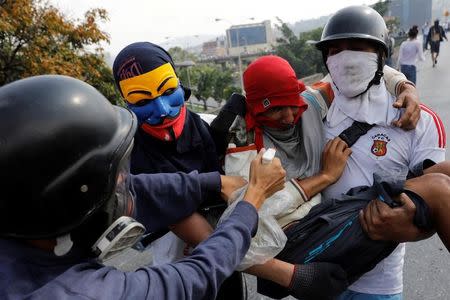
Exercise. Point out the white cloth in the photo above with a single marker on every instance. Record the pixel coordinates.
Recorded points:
(410, 51)
(352, 71)
(385, 149)
(372, 107)
(392, 79)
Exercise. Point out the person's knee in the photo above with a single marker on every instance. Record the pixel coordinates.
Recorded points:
(439, 182)
(435, 189)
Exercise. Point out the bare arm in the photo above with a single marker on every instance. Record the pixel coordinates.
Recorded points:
(407, 97)
(193, 229)
(382, 222)
(334, 159)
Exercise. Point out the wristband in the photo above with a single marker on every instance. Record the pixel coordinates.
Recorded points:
(293, 186)
(400, 85)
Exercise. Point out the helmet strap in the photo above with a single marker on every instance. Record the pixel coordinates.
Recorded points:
(378, 74)
(324, 58)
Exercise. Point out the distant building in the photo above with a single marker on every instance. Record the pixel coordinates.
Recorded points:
(417, 12)
(215, 48)
(250, 38)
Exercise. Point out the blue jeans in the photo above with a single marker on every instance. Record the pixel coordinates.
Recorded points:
(350, 295)
(425, 42)
(409, 71)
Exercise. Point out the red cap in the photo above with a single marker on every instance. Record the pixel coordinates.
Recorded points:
(270, 81)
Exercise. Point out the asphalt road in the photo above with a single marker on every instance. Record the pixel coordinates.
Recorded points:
(427, 263)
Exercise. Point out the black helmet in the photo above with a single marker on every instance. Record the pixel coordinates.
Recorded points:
(61, 143)
(355, 22)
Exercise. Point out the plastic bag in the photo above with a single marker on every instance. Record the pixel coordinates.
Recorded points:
(270, 238)
(278, 210)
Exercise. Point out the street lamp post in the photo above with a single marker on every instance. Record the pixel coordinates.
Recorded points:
(189, 83)
(188, 64)
(241, 81)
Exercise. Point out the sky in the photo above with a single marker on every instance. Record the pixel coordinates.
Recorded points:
(159, 21)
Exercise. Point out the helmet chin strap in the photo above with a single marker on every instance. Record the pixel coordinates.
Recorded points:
(378, 74)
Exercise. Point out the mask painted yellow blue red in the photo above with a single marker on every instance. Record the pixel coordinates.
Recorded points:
(147, 80)
(155, 95)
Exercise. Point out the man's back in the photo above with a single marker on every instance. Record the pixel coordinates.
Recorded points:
(435, 34)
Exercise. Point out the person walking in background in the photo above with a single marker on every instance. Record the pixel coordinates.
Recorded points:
(425, 35)
(410, 51)
(436, 35)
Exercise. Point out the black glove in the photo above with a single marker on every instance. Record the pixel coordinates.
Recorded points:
(318, 280)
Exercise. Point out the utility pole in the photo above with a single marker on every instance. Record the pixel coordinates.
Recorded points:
(241, 80)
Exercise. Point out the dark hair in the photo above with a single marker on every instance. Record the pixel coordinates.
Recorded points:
(436, 24)
(413, 31)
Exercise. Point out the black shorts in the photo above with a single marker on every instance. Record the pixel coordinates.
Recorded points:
(435, 46)
(331, 232)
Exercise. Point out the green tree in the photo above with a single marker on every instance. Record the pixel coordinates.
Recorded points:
(299, 51)
(182, 73)
(36, 38)
(204, 78)
(223, 86)
(382, 6)
(179, 55)
(229, 90)
(392, 23)
(209, 80)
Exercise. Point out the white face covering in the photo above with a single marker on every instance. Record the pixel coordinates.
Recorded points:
(352, 71)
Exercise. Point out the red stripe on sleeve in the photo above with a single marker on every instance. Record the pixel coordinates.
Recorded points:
(439, 125)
